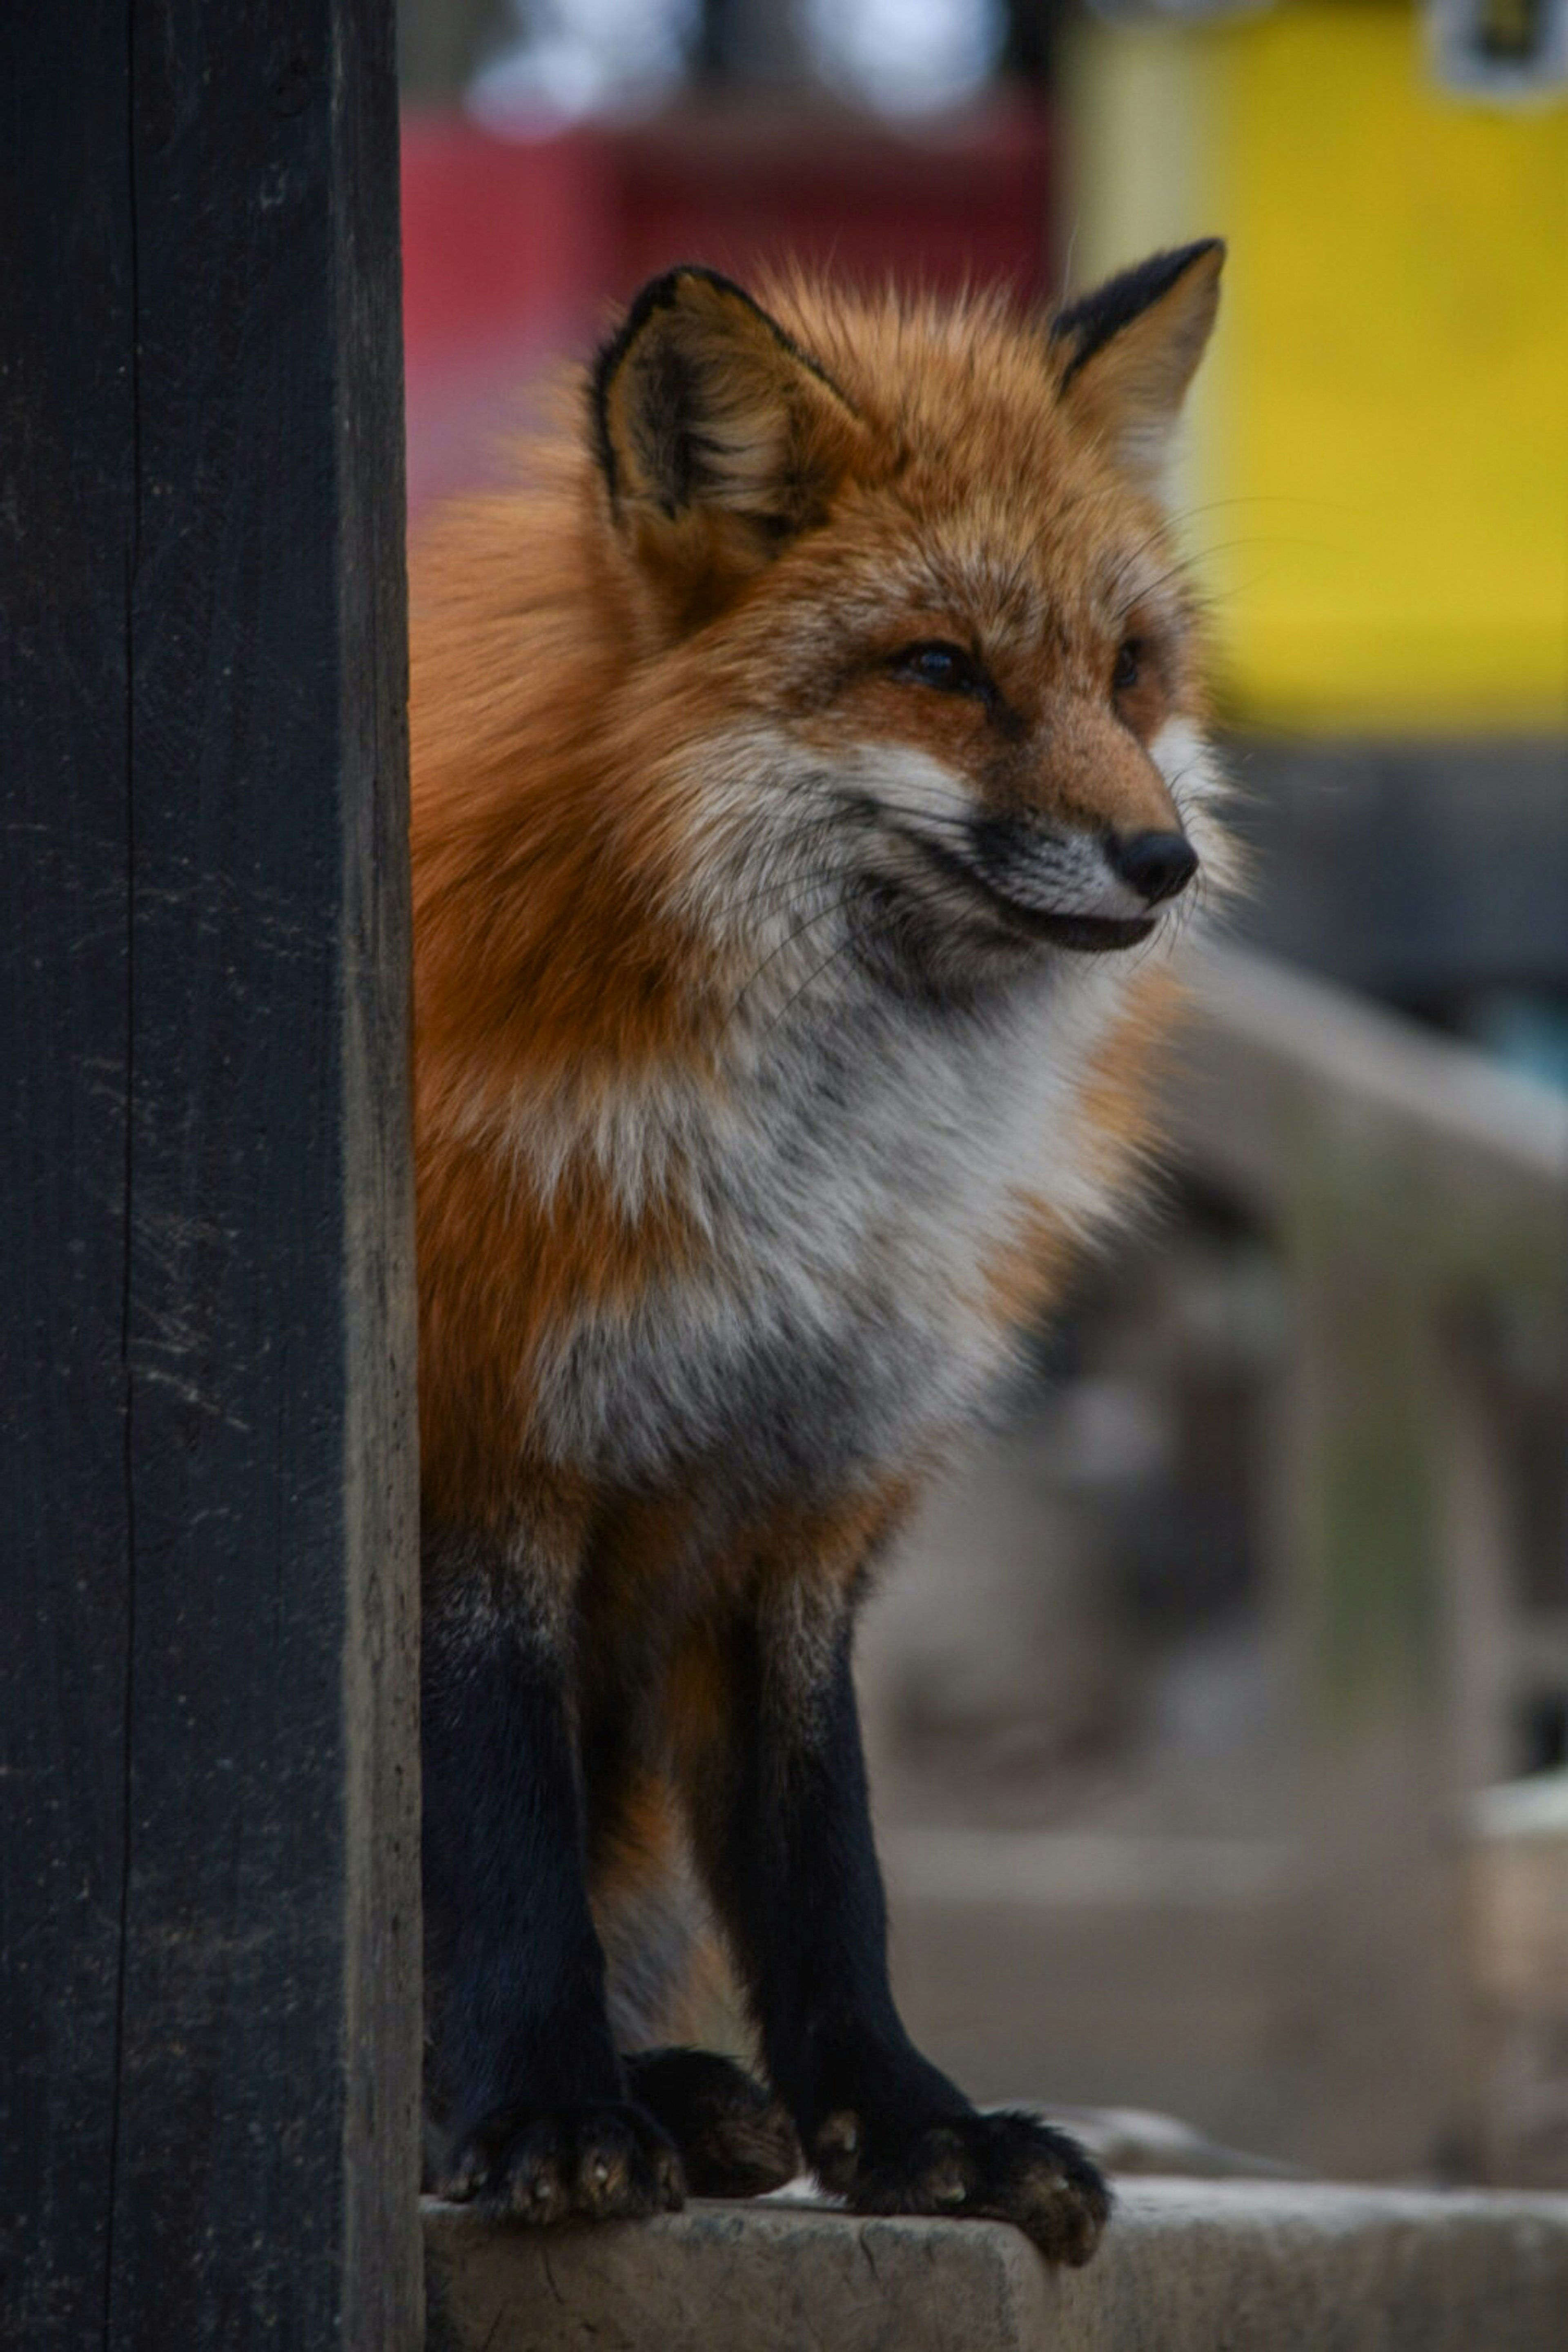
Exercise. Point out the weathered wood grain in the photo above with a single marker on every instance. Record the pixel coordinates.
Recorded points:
(210, 1845)
(67, 515)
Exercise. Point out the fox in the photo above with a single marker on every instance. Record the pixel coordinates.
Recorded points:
(811, 781)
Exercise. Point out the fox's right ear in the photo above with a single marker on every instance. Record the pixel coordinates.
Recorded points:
(1130, 349)
(717, 438)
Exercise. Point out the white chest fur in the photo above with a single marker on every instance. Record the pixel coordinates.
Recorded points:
(850, 1189)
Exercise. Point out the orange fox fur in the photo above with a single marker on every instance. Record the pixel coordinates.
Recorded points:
(806, 751)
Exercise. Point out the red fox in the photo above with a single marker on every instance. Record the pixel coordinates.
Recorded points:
(808, 764)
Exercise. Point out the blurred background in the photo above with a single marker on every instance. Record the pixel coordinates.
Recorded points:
(1220, 1717)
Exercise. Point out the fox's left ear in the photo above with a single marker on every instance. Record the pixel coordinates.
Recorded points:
(1130, 350)
(719, 438)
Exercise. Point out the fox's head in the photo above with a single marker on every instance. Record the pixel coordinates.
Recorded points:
(916, 652)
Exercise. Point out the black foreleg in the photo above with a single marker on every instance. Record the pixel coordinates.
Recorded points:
(784, 1828)
(525, 2075)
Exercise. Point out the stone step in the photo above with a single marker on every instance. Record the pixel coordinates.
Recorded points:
(1187, 2266)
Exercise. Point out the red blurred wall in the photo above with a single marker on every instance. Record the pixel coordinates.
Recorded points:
(515, 250)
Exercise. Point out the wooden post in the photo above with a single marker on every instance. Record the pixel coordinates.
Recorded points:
(208, 1774)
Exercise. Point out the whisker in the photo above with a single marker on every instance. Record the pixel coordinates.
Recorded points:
(917, 817)
(1155, 538)
(788, 890)
(835, 908)
(852, 940)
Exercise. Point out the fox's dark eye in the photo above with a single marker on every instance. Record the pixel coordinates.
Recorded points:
(946, 667)
(1129, 666)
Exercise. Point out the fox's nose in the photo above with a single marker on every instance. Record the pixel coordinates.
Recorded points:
(1156, 864)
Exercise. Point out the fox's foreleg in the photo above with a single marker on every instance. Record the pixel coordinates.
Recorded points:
(536, 2112)
(775, 1781)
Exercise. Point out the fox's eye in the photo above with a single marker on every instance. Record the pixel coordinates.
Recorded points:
(1129, 666)
(946, 667)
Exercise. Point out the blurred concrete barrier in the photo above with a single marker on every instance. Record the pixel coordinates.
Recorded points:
(1109, 1972)
(1418, 1197)
(1516, 1940)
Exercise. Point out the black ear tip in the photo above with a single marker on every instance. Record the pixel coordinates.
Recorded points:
(1174, 261)
(668, 289)
(660, 293)
(689, 297)
(1090, 322)
(664, 292)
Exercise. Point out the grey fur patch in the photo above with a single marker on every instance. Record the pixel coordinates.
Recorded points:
(649, 1946)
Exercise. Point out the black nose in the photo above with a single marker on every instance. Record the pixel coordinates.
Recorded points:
(1157, 864)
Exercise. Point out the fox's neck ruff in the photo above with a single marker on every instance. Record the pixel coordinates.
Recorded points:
(859, 1194)
(798, 1035)
(791, 1009)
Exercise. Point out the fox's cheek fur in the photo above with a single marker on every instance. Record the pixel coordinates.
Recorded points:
(1196, 783)
(785, 1002)
(802, 850)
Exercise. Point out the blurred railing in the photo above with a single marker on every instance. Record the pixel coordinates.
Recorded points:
(1418, 1199)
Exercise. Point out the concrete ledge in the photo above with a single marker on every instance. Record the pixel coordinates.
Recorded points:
(1187, 2266)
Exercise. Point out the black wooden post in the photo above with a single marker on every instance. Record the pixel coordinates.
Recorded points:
(208, 1782)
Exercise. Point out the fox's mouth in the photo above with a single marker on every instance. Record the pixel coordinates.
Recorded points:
(1084, 934)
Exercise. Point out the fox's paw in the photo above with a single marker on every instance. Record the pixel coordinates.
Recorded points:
(540, 2165)
(735, 2139)
(995, 2168)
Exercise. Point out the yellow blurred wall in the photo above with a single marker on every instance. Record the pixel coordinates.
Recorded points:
(1378, 477)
